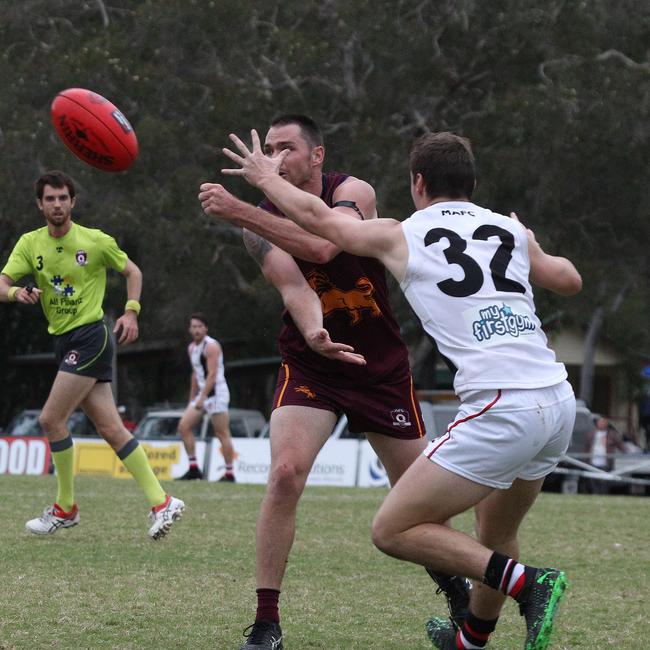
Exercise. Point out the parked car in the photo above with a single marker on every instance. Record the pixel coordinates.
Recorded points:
(162, 424)
(26, 424)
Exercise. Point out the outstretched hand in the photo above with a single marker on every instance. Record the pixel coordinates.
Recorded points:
(255, 165)
(321, 343)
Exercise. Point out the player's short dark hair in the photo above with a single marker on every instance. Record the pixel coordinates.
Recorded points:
(309, 130)
(197, 315)
(446, 163)
(56, 179)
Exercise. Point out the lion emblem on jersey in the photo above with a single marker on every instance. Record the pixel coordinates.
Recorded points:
(354, 301)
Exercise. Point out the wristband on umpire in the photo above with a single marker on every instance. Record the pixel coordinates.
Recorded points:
(133, 305)
(11, 294)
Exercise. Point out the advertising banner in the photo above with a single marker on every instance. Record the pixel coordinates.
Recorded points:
(94, 456)
(168, 458)
(371, 470)
(336, 464)
(24, 455)
(342, 463)
(252, 460)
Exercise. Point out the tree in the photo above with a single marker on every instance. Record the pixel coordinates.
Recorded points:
(555, 100)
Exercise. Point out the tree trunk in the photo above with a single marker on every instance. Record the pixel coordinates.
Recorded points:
(591, 339)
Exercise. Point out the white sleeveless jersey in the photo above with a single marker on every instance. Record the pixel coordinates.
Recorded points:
(200, 367)
(467, 280)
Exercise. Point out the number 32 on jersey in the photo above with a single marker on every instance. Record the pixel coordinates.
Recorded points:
(473, 280)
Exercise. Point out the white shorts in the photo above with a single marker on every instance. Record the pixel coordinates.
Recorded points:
(216, 404)
(501, 435)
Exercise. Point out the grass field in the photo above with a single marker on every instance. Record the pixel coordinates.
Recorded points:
(103, 584)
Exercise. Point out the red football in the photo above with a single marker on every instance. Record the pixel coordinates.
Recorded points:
(94, 129)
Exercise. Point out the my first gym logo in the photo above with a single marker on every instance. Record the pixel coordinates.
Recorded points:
(495, 321)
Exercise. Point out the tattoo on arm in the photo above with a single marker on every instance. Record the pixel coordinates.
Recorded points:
(256, 246)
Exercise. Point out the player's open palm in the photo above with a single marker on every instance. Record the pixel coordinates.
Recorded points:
(321, 343)
(255, 164)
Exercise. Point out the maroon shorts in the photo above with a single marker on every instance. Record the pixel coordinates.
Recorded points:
(389, 408)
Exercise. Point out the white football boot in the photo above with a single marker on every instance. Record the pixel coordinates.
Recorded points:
(162, 517)
(52, 519)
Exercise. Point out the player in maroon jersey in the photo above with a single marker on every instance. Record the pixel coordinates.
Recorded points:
(326, 292)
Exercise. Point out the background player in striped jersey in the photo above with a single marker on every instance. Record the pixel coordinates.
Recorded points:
(466, 272)
(208, 394)
(325, 290)
(68, 263)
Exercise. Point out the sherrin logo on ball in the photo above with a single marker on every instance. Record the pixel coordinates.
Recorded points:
(94, 129)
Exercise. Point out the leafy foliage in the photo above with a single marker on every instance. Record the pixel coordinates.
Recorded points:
(556, 101)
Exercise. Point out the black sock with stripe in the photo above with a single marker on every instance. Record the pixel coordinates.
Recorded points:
(475, 632)
(509, 576)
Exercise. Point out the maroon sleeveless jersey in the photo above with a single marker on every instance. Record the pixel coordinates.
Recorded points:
(356, 311)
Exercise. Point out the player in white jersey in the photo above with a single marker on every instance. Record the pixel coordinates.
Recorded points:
(208, 394)
(466, 272)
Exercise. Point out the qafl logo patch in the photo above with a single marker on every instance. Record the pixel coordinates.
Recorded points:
(401, 418)
(72, 358)
(82, 258)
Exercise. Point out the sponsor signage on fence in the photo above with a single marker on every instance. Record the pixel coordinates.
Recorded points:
(168, 459)
(342, 463)
(252, 460)
(24, 455)
(372, 473)
(336, 464)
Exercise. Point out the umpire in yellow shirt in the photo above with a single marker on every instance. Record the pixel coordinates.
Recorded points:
(68, 263)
